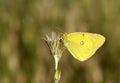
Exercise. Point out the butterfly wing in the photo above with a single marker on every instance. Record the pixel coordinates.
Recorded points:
(97, 39)
(82, 45)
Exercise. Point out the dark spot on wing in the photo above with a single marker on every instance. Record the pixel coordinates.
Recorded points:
(83, 34)
(81, 42)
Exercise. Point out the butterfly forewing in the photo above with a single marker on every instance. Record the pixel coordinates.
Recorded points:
(79, 45)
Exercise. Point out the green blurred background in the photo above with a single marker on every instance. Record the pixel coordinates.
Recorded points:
(25, 57)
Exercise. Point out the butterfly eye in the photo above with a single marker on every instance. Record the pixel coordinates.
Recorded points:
(81, 42)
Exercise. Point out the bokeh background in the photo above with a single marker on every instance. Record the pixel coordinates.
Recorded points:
(25, 57)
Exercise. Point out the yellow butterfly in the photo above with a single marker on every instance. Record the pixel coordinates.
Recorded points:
(82, 45)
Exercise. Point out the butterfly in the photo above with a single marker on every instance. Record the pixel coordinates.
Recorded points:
(82, 45)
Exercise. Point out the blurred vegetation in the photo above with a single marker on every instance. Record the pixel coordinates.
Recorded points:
(25, 57)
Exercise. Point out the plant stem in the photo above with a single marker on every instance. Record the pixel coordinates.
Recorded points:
(56, 48)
